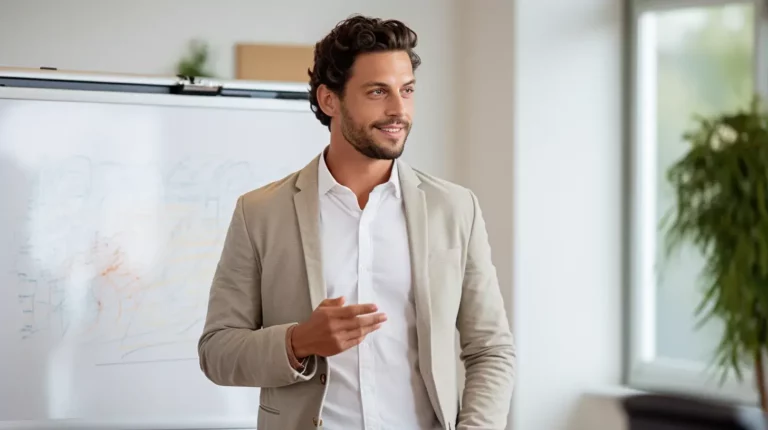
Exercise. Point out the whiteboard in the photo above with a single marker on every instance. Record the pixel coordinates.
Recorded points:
(113, 210)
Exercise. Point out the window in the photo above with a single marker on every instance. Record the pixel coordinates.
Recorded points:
(689, 57)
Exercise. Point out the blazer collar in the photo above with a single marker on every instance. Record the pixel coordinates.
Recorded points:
(307, 178)
(308, 216)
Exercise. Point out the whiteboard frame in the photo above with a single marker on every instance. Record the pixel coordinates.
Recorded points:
(116, 78)
(48, 94)
(116, 88)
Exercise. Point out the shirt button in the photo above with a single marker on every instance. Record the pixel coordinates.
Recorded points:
(322, 379)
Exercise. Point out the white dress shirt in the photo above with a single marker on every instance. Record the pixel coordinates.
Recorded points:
(376, 385)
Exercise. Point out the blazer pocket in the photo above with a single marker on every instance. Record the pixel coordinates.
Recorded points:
(270, 410)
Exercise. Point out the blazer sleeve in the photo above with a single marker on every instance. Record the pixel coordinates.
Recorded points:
(234, 349)
(487, 346)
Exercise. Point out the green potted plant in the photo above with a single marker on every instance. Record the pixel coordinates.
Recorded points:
(195, 63)
(721, 187)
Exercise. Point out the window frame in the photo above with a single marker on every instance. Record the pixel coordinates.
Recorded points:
(643, 369)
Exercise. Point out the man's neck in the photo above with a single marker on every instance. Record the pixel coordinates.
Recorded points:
(356, 171)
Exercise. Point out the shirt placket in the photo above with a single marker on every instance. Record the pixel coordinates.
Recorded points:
(365, 294)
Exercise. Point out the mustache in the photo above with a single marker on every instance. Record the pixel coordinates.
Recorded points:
(391, 122)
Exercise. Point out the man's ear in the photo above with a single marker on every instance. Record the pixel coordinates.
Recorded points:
(328, 101)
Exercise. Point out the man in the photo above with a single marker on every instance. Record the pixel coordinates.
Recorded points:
(340, 287)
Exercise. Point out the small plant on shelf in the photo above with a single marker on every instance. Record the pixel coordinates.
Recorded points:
(195, 63)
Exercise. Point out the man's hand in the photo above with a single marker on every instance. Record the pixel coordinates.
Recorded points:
(333, 328)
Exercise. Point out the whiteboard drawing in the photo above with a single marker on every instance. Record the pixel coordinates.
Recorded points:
(119, 256)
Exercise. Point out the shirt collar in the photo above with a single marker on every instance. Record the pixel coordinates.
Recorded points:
(394, 179)
(326, 182)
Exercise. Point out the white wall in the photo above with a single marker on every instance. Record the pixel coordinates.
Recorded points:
(485, 126)
(540, 142)
(149, 36)
(567, 208)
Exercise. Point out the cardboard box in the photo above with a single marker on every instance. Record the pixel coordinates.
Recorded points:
(282, 63)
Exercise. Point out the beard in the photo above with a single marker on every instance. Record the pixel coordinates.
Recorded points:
(362, 138)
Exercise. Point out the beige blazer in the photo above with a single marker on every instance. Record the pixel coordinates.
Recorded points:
(270, 277)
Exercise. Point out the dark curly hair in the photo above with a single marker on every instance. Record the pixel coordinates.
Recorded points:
(336, 53)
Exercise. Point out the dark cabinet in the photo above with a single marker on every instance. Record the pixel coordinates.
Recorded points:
(672, 412)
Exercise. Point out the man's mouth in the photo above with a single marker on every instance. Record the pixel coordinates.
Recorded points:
(393, 130)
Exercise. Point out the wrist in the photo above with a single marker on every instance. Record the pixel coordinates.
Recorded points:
(296, 343)
(292, 360)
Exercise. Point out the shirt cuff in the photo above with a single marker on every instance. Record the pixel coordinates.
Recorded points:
(299, 366)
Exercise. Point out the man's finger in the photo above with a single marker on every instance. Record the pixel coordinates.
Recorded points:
(363, 321)
(358, 334)
(349, 343)
(334, 302)
(355, 310)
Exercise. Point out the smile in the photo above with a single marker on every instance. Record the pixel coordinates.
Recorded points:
(391, 130)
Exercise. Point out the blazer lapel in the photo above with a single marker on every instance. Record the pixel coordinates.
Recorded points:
(308, 215)
(415, 206)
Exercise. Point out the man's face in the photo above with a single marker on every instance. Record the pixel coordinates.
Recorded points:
(377, 106)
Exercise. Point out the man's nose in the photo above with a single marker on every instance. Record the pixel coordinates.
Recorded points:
(395, 105)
